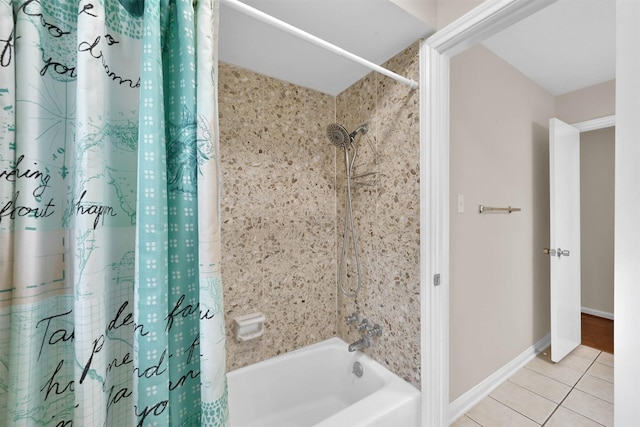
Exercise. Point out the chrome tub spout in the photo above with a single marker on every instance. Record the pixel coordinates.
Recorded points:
(365, 342)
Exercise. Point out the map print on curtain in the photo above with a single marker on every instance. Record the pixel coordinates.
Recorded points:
(110, 292)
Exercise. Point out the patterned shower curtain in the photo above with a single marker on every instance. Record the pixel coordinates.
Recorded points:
(110, 292)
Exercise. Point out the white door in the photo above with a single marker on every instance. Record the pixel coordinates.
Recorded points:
(564, 186)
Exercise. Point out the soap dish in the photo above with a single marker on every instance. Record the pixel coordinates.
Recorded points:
(249, 326)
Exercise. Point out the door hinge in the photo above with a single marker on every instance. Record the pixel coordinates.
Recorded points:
(436, 279)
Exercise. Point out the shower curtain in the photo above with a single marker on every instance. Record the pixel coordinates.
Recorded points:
(110, 292)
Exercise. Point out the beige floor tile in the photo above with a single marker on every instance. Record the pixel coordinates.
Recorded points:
(541, 384)
(580, 351)
(564, 417)
(605, 358)
(465, 422)
(577, 362)
(589, 406)
(524, 401)
(586, 352)
(530, 397)
(602, 371)
(491, 413)
(580, 358)
(555, 371)
(596, 387)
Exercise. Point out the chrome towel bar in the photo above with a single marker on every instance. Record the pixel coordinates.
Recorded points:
(509, 209)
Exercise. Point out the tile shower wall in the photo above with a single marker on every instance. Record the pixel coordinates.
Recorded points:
(386, 200)
(283, 209)
(278, 212)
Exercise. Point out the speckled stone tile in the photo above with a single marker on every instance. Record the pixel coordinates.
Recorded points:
(283, 205)
(387, 213)
(278, 212)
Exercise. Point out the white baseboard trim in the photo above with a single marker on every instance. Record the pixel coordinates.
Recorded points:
(461, 405)
(598, 313)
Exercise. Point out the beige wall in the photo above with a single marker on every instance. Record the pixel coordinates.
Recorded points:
(586, 104)
(386, 208)
(597, 170)
(283, 208)
(499, 157)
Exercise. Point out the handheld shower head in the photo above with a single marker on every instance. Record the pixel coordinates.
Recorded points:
(338, 135)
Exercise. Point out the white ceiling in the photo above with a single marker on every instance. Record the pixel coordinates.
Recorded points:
(568, 45)
(375, 30)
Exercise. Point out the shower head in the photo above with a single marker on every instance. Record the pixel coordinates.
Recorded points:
(339, 136)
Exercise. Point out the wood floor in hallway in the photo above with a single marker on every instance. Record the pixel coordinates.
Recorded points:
(597, 332)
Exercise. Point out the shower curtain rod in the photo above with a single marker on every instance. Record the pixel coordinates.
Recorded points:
(270, 20)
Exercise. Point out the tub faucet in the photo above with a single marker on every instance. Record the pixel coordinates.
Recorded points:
(368, 331)
(365, 342)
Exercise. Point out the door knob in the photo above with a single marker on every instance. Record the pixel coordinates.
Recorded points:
(559, 253)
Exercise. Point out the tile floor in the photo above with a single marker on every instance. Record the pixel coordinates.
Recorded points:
(576, 392)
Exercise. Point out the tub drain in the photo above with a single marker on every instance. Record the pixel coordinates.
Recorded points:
(357, 369)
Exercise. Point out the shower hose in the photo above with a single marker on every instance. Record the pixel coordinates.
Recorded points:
(349, 225)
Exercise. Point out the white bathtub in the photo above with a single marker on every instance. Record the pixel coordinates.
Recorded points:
(315, 386)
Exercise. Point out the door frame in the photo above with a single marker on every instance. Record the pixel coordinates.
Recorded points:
(595, 124)
(587, 126)
(490, 17)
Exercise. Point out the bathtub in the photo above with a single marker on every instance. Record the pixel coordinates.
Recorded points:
(316, 386)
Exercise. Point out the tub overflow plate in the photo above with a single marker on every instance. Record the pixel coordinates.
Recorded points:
(357, 369)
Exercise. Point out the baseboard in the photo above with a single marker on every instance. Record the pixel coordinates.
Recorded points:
(597, 313)
(461, 405)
